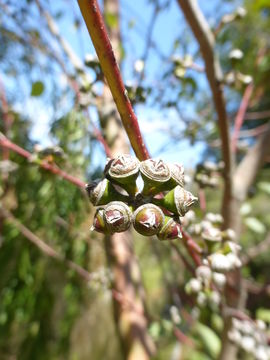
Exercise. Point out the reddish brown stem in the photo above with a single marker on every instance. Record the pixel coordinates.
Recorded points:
(97, 30)
(182, 338)
(182, 257)
(193, 248)
(6, 117)
(5, 143)
(254, 132)
(241, 115)
(202, 200)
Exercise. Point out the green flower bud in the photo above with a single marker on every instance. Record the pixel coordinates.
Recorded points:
(170, 230)
(148, 219)
(215, 219)
(117, 216)
(103, 193)
(178, 201)
(177, 174)
(99, 224)
(212, 237)
(194, 286)
(155, 174)
(124, 170)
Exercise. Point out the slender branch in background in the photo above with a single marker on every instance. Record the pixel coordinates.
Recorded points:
(193, 248)
(239, 119)
(183, 259)
(8, 119)
(45, 248)
(248, 168)
(149, 40)
(255, 115)
(76, 61)
(206, 40)
(77, 64)
(256, 250)
(96, 28)
(182, 338)
(202, 200)
(7, 144)
(253, 132)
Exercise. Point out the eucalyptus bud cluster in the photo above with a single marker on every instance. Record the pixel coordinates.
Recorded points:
(206, 286)
(251, 337)
(154, 210)
(237, 79)
(206, 174)
(220, 249)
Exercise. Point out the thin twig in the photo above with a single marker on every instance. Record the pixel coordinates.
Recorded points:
(6, 143)
(254, 132)
(248, 168)
(8, 119)
(43, 246)
(202, 200)
(183, 259)
(256, 250)
(77, 64)
(255, 115)
(76, 61)
(192, 247)
(239, 119)
(206, 40)
(96, 28)
(149, 40)
(182, 338)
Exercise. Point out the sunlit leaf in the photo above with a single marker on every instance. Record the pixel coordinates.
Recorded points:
(37, 88)
(264, 186)
(209, 339)
(255, 225)
(263, 314)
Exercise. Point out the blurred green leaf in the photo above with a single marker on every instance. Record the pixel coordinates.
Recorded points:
(209, 339)
(255, 225)
(111, 19)
(264, 186)
(263, 314)
(245, 209)
(37, 88)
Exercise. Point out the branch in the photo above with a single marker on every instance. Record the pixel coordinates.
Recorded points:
(96, 28)
(257, 250)
(193, 248)
(253, 132)
(183, 259)
(241, 115)
(149, 40)
(43, 247)
(77, 64)
(6, 143)
(255, 115)
(76, 61)
(248, 168)
(8, 119)
(206, 40)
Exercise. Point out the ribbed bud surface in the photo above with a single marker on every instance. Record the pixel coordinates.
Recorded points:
(148, 219)
(170, 230)
(117, 216)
